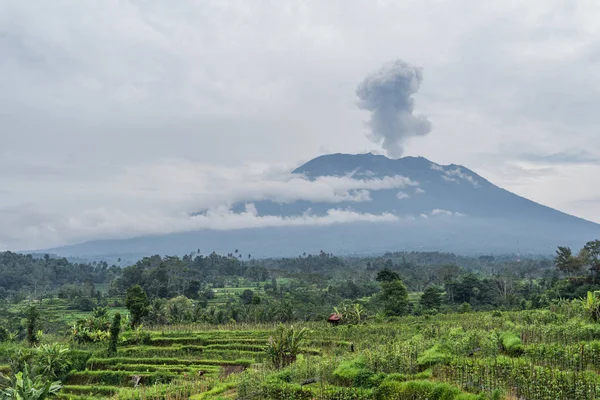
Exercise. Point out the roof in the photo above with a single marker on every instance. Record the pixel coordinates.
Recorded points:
(334, 317)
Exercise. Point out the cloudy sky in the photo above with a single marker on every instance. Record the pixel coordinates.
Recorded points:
(120, 117)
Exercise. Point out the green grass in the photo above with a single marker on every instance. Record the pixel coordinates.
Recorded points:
(118, 378)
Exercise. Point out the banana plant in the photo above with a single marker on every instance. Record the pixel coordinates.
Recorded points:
(591, 305)
(24, 388)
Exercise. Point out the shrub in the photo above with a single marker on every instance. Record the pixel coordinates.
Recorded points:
(422, 390)
(433, 356)
(53, 360)
(284, 346)
(511, 344)
(465, 308)
(347, 371)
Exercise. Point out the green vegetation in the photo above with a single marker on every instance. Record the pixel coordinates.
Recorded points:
(407, 325)
(137, 303)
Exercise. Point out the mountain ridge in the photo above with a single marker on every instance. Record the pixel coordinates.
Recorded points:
(449, 208)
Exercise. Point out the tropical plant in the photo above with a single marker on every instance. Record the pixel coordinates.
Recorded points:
(591, 305)
(566, 262)
(25, 388)
(283, 347)
(53, 360)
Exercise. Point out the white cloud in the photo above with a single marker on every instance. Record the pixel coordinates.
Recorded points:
(449, 179)
(454, 174)
(402, 195)
(160, 197)
(440, 212)
(115, 223)
(457, 172)
(419, 191)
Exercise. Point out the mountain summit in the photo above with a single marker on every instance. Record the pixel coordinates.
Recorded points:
(442, 188)
(409, 203)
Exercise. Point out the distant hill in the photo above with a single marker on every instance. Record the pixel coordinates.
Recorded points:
(447, 208)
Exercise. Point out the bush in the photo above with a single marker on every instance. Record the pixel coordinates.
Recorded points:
(511, 344)
(79, 359)
(83, 304)
(433, 356)
(422, 390)
(465, 308)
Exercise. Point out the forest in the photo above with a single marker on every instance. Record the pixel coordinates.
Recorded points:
(317, 326)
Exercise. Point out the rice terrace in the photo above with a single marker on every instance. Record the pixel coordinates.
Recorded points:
(252, 330)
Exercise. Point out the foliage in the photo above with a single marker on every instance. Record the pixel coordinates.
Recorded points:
(433, 356)
(431, 299)
(511, 344)
(283, 347)
(53, 360)
(395, 297)
(566, 262)
(137, 303)
(387, 275)
(115, 330)
(32, 314)
(422, 390)
(591, 305)
(356, 373)
(25, 388)
(351, 313)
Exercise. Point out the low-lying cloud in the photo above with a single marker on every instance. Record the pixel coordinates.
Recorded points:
(442, 213)
(455, 175)
(174, 196)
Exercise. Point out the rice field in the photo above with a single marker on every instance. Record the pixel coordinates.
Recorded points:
(180, 362)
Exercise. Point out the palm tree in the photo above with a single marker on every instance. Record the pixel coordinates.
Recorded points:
(566, 262)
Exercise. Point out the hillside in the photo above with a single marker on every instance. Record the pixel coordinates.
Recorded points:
(443, 208)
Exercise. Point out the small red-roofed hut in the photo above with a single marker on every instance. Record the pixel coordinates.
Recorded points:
(334, 319)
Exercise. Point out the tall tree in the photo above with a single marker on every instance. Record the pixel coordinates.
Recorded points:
(431, 299)
(115, 330)
(566, 262)
(590, 255)
(137, 303)
(395, 297)
(387, 275)
(33, 315)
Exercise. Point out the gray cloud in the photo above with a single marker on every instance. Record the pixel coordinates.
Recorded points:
(563, 157)
(388, 95)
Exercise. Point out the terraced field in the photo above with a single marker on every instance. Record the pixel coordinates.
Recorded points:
(61, 309)
(185, 360)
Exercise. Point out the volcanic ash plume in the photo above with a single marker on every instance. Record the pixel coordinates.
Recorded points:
(387, 95)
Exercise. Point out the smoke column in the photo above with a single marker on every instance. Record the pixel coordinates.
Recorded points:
(387, 95)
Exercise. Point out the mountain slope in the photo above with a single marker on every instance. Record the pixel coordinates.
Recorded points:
(443, 207)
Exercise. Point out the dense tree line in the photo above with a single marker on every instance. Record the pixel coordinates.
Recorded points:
(38, 274)
(306, 287)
